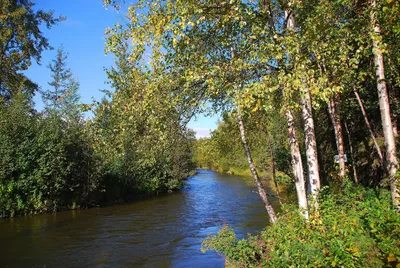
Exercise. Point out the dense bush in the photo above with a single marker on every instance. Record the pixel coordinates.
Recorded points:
(45, 164)
(48, 163)
(354, 228)
(17, 158)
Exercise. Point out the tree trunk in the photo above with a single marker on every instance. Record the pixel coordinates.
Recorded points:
(360, 103)
(271, 150)
(352, 154)
(311, 143)
(297, 165)
(261, 191)
(384, 106)
(395, 100)
(335, 118)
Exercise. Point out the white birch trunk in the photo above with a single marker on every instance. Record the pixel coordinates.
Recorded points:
(311, 143)
(260, 188)
(391, 160)
(313, 181)
(297, 165)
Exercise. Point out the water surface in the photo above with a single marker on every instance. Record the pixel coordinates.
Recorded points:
(164, 231)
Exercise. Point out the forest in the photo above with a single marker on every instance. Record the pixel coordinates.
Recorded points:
(309, 95)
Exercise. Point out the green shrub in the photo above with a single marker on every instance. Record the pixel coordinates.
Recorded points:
(45, 165)
(353, 228)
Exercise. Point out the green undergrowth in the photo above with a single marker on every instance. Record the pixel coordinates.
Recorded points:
(353, 228)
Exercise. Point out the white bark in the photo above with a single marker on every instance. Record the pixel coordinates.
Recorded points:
(297, 165)
(391, 160)
(260, 188)
(312, 162)
(311, 143)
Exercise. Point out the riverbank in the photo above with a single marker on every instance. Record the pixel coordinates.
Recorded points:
(117, 197)
(164, 231)
(284, 182)
(355, 227)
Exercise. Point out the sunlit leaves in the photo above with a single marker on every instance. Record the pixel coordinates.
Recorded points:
(21, 41)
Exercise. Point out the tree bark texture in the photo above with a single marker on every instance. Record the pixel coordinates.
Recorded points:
(297, 165)
(391, 160)
(394, 101)
(311, 143)
(260, 188)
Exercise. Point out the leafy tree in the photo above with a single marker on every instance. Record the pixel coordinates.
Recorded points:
(17, 150)
(21, 41)
(139, 134)
(384, 105)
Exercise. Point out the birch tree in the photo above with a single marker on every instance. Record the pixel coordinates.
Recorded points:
(391, 158)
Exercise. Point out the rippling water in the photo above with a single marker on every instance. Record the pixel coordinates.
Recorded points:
(164, 231)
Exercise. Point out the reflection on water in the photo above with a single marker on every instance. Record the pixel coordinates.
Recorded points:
(164, 231)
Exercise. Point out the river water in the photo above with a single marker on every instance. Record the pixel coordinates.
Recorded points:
(164, 231)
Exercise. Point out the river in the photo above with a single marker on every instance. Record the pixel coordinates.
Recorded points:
(164, 231)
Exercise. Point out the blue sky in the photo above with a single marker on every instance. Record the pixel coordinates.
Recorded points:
(82, 36)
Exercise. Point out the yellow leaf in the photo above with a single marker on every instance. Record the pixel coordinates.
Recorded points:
(391, 258)
(353, 250)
